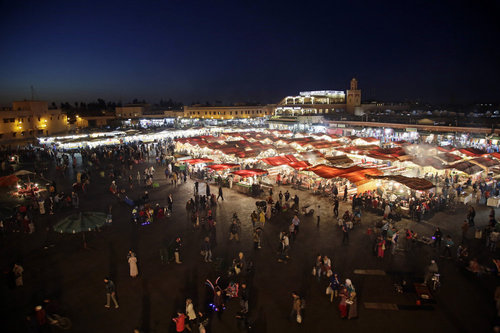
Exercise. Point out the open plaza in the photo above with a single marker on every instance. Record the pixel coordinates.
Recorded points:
(261, 229)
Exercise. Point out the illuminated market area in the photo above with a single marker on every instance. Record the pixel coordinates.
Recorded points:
(250, 167)
(374, 206)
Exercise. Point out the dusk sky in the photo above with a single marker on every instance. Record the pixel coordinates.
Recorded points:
(436, 51)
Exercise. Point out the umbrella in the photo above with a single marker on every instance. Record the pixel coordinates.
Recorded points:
(23, 173)
(81, 222)
(8, 181)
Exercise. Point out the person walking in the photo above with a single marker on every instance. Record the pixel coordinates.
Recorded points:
(177, 250)
(336, 207)
(132, 261)
(296, 223)
(317, 216)
(471, 214)
(345, 193)
(180, 321)
(380, 247)
(345, 234)
(110, 293)
(448, 243)
(394, 242)
(344, 295)
(206, 249)
(256, 238)
(295, 314)
(438, 235)
(207, 191)
(335, 191)
(353, 306)
(233, 231)
(335, 286)
(254, 217)
(243, 296)
(220, 194)
(75, 200)
(262, 218)
(170, 203)
(191, 315)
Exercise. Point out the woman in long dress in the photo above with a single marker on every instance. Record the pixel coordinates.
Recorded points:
(132, 261)
(353, 306)
(268, 211)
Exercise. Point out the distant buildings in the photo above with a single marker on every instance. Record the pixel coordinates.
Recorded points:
(320, 102)
(30, 119)
(228, 112)
(131, 111)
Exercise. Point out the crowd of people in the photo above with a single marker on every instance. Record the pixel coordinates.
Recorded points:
(118, 166)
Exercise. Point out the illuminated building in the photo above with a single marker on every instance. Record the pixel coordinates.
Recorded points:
(320, 102)
(30, 119)
(227, 112)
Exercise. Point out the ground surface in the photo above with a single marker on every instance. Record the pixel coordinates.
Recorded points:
(74, 276)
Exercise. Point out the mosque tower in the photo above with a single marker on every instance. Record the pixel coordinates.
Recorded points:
(353, 96)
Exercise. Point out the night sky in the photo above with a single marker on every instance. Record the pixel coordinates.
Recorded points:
(435, 51)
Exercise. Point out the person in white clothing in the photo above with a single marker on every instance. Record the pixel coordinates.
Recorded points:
(132, 261)
(191, 314)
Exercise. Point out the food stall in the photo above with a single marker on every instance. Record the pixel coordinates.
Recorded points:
(222, 172)
(247, 181)
(354, 175)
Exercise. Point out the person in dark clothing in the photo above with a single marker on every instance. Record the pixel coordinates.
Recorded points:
(243, 296)
(345, 193)
(208, 191)
(345, 234)
(110, 293)
(233, 231)
(218, 302)
(335, 191)
(220, 194)
(471, 214)
(336, 207)
(177, 250)
(438, 235)
(207, 249)
(170, 202)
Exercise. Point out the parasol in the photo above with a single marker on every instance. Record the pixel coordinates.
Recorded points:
(81, 222)
(23, 173)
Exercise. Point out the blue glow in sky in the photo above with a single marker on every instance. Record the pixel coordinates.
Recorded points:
(438, 51)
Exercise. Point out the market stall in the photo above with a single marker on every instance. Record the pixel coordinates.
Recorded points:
(248, 181)
(355, 175)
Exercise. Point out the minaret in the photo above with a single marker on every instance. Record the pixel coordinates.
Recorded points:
(353, 96)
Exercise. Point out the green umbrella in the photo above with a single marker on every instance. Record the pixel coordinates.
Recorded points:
(81, 222)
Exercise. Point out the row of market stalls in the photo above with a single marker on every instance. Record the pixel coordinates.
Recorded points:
(319, 161)
(315, 161)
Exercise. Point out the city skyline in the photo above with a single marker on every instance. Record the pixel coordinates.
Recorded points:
(196, 51)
